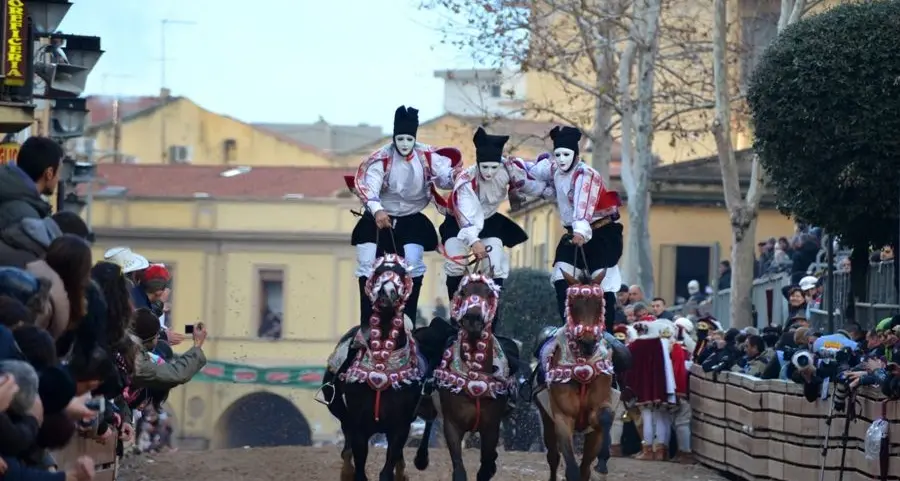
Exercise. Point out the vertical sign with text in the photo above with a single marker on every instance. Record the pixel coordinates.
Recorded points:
(15, 43)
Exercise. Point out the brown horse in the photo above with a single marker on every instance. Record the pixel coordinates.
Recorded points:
(578, 371)
(472, 396)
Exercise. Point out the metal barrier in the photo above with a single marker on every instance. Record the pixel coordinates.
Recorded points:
(879, 286)
(766, 292)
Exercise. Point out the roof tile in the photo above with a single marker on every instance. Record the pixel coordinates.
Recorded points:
(182, 181)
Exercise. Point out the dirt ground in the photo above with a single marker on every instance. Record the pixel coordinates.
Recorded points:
(296, 463)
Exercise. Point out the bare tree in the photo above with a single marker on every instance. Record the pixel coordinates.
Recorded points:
(743, 209)
(620, 71)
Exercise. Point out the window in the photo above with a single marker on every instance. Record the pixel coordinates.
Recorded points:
(757, 32)
(495, 91)
(271, 304)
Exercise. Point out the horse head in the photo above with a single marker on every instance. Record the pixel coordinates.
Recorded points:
(585, 310)
(389, 287)
(475, 304)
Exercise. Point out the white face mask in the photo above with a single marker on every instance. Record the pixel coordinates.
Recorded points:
(564, 158)
(488, 169)
(404, 143)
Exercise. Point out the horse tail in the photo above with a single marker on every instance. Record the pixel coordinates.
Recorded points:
(421, 460)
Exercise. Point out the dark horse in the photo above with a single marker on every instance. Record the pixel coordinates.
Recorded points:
(473, 397)
(579, 375)
(381, 388)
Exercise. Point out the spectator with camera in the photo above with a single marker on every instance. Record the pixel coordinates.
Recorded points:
(755, 359)
(149, 372)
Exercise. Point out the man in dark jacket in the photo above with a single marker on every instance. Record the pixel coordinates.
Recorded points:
(36, 173)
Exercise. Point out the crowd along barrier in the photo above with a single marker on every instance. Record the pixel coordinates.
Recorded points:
(767, 299)
(766, 430)
(104, 456)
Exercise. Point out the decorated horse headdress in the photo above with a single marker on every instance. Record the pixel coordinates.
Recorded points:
(462, 303)
(586, 292)
(390, 269)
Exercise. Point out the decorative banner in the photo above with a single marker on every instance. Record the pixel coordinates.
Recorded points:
(8, 152)
(15, 43)
(303, 377)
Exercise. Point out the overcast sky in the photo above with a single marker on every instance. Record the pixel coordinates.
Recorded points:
(350, 61)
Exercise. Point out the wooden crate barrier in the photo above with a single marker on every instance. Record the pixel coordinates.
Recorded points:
(766, 430)
(104, 456)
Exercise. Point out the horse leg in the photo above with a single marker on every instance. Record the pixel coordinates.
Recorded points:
(453, 435)
(565, 427)
(359, 443)
(593, 441)
(490, 438)
(396, 437)
(347, 470)
(551, 443)
(421, 460)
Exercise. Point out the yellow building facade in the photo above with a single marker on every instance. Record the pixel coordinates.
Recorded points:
(231, 256)
(178, 131)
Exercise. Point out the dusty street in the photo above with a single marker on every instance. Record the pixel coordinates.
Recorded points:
(294, 463)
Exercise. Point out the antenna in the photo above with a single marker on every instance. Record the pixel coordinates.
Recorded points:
(163, 146)
(162, 39)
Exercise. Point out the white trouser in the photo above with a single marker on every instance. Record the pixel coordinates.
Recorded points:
(365, 259)
(615, 432)
(683, 425)
(611, 283)
(497, 255)
(657, 425)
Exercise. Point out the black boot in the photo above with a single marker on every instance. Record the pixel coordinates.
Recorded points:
(496, 323)
(412, 304)
(365, 305)
(561, 287)
(609, 304)
(365, 312)
(452, 286)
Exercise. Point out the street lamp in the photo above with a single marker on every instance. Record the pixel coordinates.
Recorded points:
(68, 118)
(65, 64)
(46, 15)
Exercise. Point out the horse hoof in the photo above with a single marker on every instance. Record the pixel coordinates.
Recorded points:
(421, 462)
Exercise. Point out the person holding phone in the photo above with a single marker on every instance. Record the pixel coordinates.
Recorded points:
(152, 374)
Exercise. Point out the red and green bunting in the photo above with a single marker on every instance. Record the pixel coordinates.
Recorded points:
(305, 377)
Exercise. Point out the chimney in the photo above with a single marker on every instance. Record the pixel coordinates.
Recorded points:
(164, 93)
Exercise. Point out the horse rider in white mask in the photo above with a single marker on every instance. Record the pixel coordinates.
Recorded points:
(395, 184)
(474, 223)
(589, 213)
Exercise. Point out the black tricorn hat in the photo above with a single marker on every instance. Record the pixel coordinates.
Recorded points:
(565, 138)
(488, 148)
(406, 121)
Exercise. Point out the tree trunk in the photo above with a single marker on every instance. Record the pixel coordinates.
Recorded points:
(743, 236)
(640, 224)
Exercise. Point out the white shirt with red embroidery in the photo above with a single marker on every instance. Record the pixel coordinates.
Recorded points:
(401, 185)
(475, 199)
(579, 194)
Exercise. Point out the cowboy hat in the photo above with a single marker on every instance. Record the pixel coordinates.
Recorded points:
(126, 259)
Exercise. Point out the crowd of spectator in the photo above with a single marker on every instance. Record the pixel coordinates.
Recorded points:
(83, 344)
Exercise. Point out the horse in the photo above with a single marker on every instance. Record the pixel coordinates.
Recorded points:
(577, 365)
(381, 388)
(475, 379)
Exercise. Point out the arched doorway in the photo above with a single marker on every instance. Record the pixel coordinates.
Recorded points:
(261, 419)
